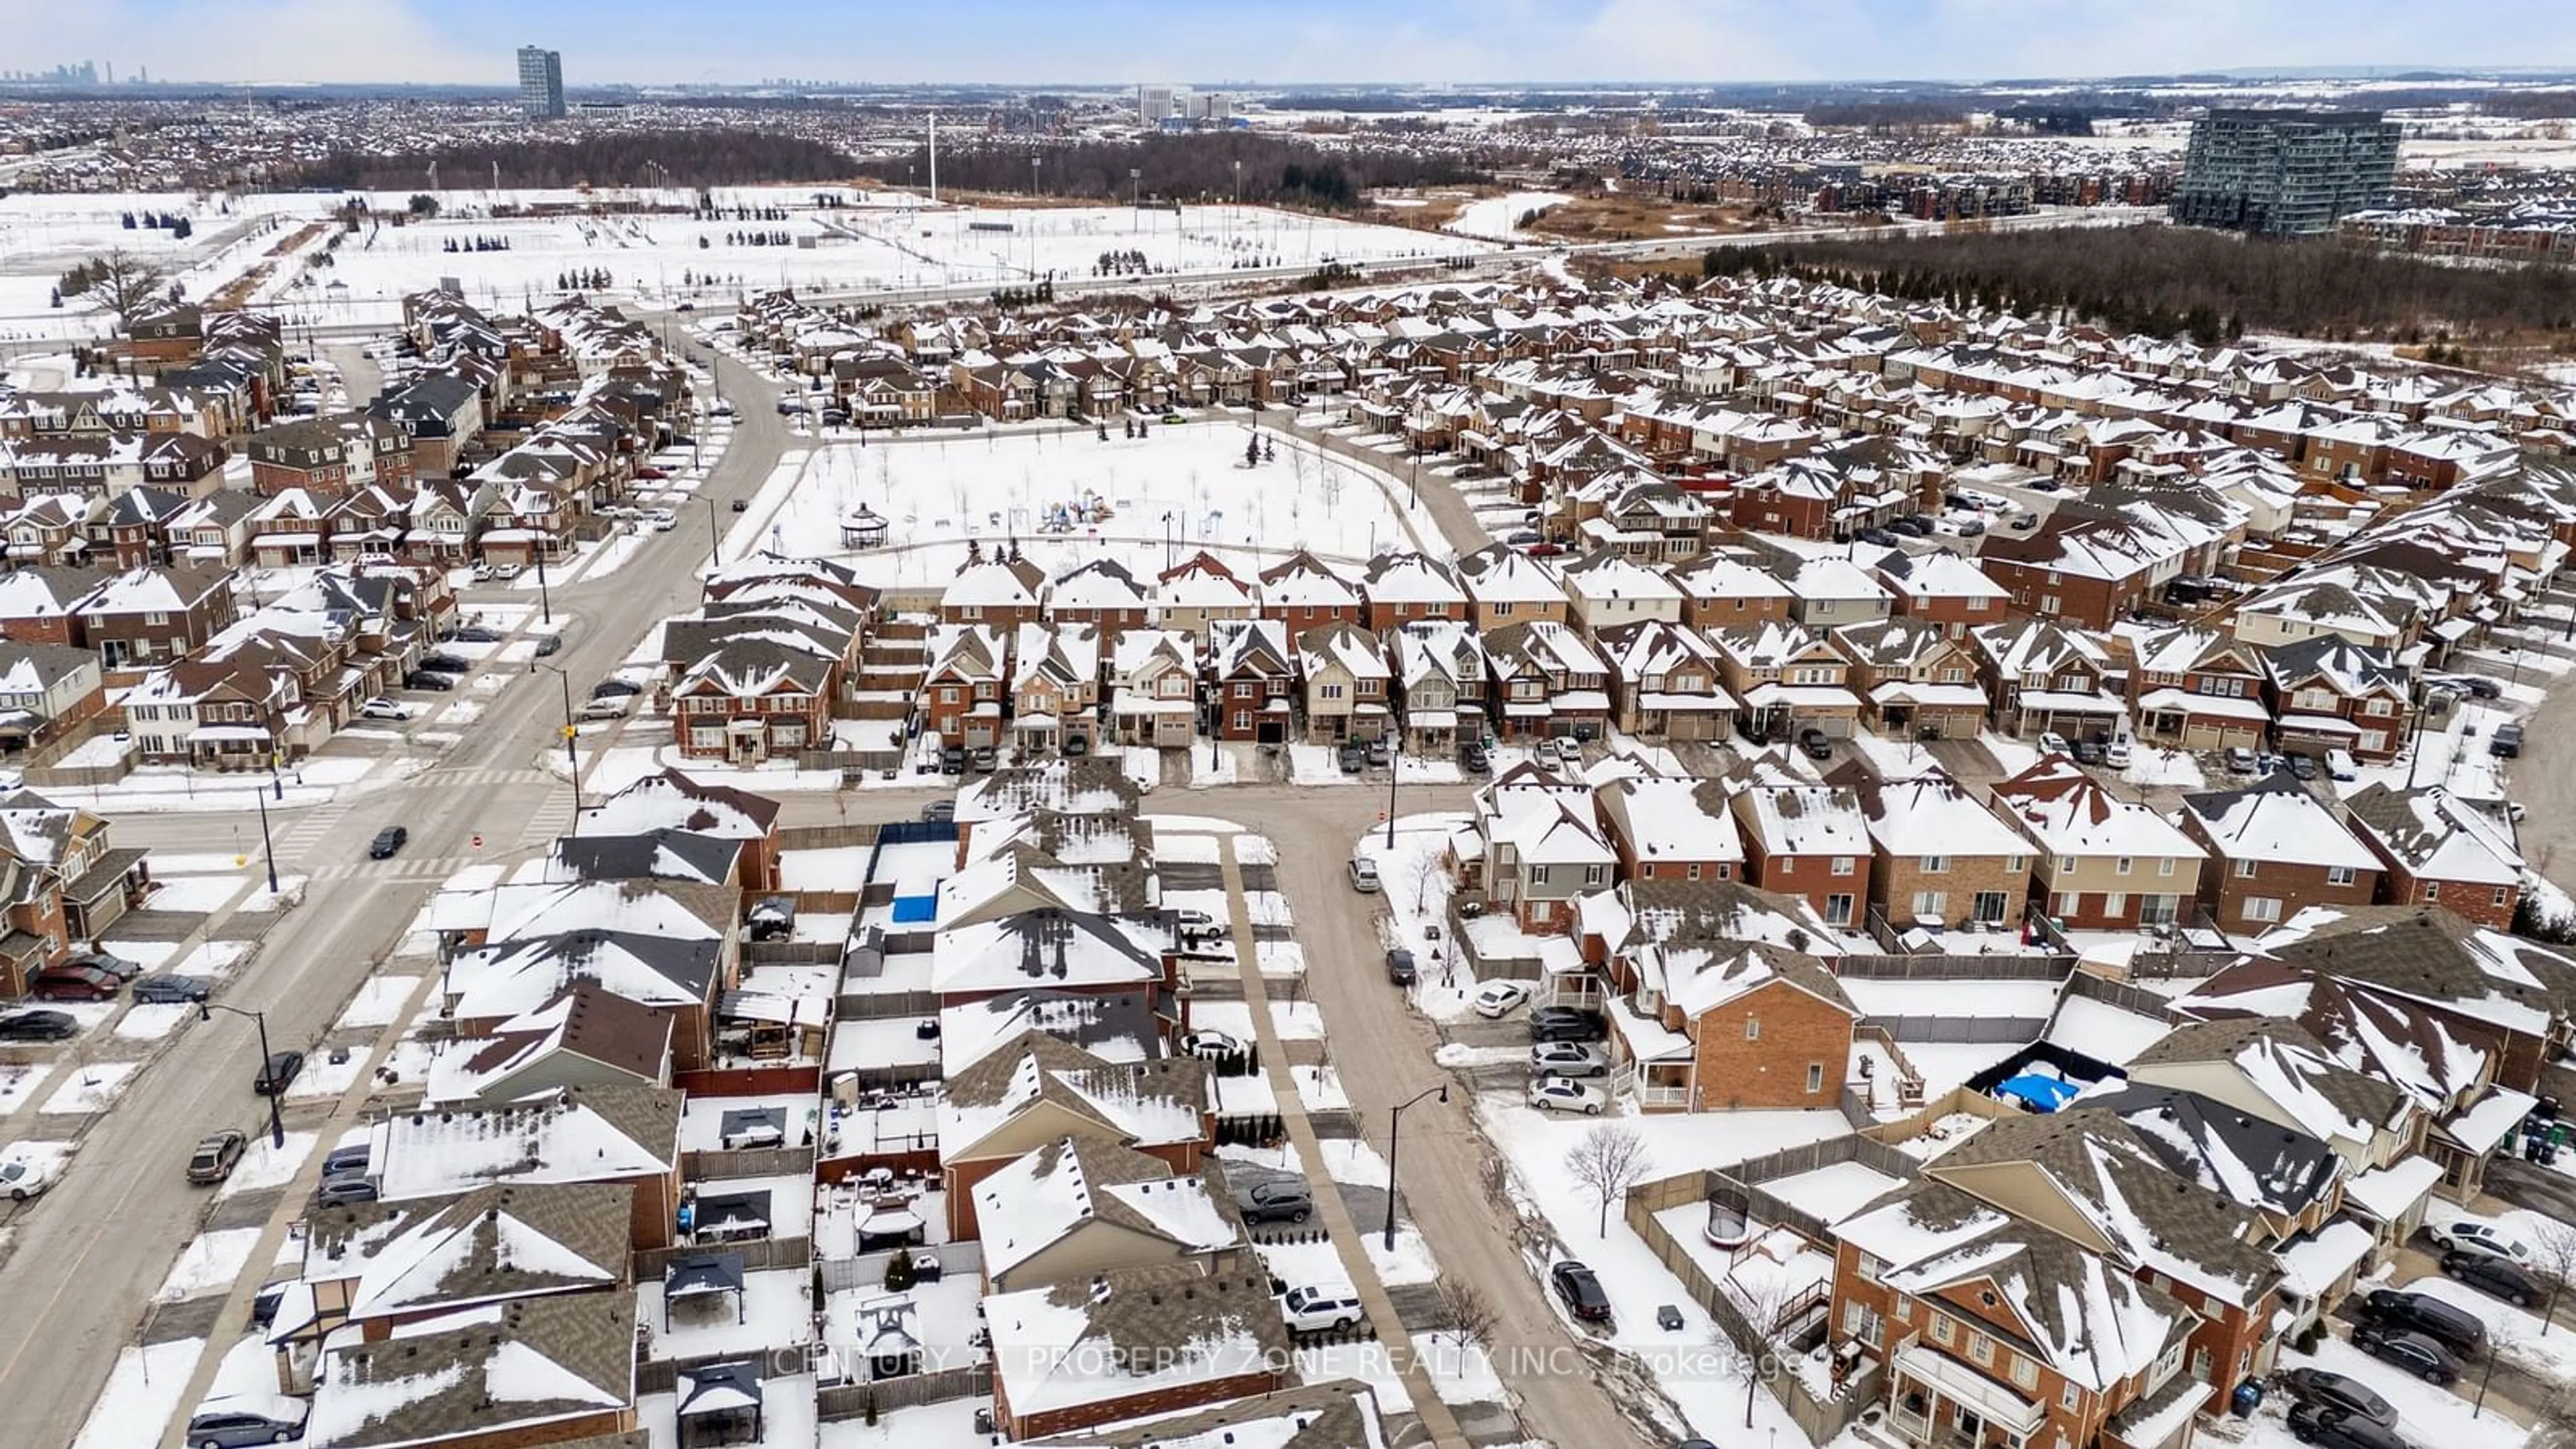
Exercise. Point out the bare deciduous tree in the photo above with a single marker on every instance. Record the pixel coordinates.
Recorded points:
(1768, 1303)
(2553, 1259)
(1610, 1159)
(1470, 1313)
(127, 285)
(1419, 872)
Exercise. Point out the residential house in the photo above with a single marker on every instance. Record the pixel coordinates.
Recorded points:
(1663, 681)
(1199, 593)
(1913, 679)
(2196, 688)
(2437, 848)
(1719, 590)
(1785, 678)
(1154, 689)
(1543, 680)
(1402, 587)
(1805, 840)
(1541, 847)
(1506, 586)
(1102, 594)
(1252, 680)
(1939, 860)
(147, 616)
(2105, 863)
(1607, 590)
(962, 691)
(2044, 676)
(2274, 851)
(1301, 592)
(1347, 682)
(1055, 687)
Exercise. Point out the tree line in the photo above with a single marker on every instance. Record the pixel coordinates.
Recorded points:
(1273, 169)
(2173, 281)
(673, 158)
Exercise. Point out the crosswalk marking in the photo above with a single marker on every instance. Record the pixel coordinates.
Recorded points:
(299, 839)
(398, 869)
(444, 779)
(549, 820)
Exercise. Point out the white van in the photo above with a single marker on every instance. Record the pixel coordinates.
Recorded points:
(2340, 765)
(1364, 875)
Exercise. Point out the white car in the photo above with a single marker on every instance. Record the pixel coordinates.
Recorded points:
(2116, 753)
(2477, 1235)
(382, 708)
(1364, 875)
(2053, 743)
(26, 1170)
(1210, 1045)
(1569, 750)
(503, 573)
(1556, 1094)
(481, 572)
(1568, 1059)
(1319, 1310)
(664, 520)
(1498, 998)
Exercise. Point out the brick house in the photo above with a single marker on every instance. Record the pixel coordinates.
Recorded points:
(1938, 858)
(2043, 675)
(1102, 594)
(1301, 592)
(1153, 688)
(1944, 589)
(1806, 840)
(1055, 687)
(41, 604)
(1252, 680)
(153, 616)
(2104, 863)
(1760, 1027)
(1507, 586)
(962, 689)
(1402, 587)
(753, 700)
(47, 693)
(2196, 688)
(2437, 848)
(1543, 680)
(331, 455)
(2330, 693)
(1720, 590)
(1785, 678)
(1668, 829)
(1913, 680)
(1199, 593)
(1004, 593)
(2274, 851)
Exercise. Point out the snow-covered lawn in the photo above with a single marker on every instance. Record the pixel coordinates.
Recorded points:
(17, 1084)
(142, 1393)
(154, 1020)
(196, 894)
(776, 1312)
(264, 1166)
(379, 1001)
(1067, 499)
(92, 1087)
(208, 1264)
(1497, 218)
(323, 1077)
(1415, 892)
(930, 1426)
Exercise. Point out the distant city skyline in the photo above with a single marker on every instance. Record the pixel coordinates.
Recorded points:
(1114, 42)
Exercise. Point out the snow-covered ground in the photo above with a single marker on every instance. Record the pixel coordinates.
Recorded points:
(208, 1264)
(1067, 499)
(1415, 892)
(1497, 218)
(142, 1393)
(380, 999)
(264, 1166)
(92, 1087)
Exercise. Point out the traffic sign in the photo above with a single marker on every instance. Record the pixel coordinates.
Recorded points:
(478, 842)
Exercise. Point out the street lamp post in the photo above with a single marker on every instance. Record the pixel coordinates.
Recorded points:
(276, 1123)
(715, 540)
(1394, 772)
(1395, 1124)
(572, 757)
(545, 601)
(266, 848)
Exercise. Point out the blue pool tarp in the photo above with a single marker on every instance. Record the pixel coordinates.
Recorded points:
(2040, 1094)
(915, 910)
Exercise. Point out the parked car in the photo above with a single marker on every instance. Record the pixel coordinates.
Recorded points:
(1400, 969)
(985, 757)
(479, 572)
(1567, 1023)
(606, 706)
(2240, 761)
(620, 688)
(1364, 875)
(1264, 1202)
(664, 520)
(429, 679)
(952, 760)
(2453, 1327)
(2315, 1424)
(163, 988)
(1568, 1059)
(278, 1073)
(1815, 744)
(2088, 752)
(1909, 527)
(388, 841)
(26, 1172)
(939, 812)
(2116, 753)
(1580, 1290)
(1319, 1310)
(1876, 537)
(1474, 760)
(344, 1190)
(742, 505)
(503, 573)
(2339, 1392)
(2053, 743)
(216, 1153)
(650, 475)
(1354, 758)
(1500, 998)
(73, 983)
(446, 664)
(2506, 742)
(351, 1156)
(2340, 765)
(2496, 1277)
(382, 708)
(2420, 1354)
(2476, 686)
(1377, 753)
(549, 645)
(1564, 1094)
(38, 1026)
(1211, 1045)
(2303, 768)
(476, 634)
(2478, 1235)
(107, 961)
(235, 1421)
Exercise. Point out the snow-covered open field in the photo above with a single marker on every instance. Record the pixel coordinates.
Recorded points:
(1071, 498)
(884, 240)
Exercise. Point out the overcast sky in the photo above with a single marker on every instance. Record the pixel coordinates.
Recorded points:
(1208, 41)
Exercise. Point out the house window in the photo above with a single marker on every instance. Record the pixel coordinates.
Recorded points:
(948, 694)
(1693, 872)
(1942, 1332)
(1928, 905)
(1815, 1078)
(2262, 910)
(2115, 903)
(1990, 906)
(2016, 863)
(2069, 1397)
(1936, 864)
(1843, 864)
(1904, 1308)
(2025, 1373)
(1328, 691)
(155, 619)
(2165, 866)
(1243, 689)
(1594, 874)
(1838, 910)
(2066, 865)
(706, 738)
(1538, 875)
(2062, 904)
(2432, 890)
(2123, 867)
(2503, 895)
(2378, 706)
(2339, 875)
(1981, 1348)
(2244, 870)
(1753, 1028)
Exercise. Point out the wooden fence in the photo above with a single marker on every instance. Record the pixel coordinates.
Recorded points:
(851, 1401)
(868, 1270)
(755, 1162)
(757, 1255)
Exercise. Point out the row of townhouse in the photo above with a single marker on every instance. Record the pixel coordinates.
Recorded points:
(274, 684)
(767, 661)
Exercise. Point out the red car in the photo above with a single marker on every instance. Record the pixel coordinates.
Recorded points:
(74, 983)
(650, 475)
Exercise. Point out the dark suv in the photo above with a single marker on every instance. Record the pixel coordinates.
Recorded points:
(2317, 1424)
(1400, 968)
(2494, 1276)
(1274, 1201)
(1567, 1023)
(1581, 1290)
(2456, 1329)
